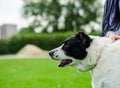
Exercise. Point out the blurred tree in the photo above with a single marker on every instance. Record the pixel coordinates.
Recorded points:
(61, 15)
(28, 29)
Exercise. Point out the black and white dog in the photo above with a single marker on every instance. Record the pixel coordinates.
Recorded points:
(98, 54)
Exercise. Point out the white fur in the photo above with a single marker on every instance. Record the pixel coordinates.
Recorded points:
(103, 60)
(104, 55)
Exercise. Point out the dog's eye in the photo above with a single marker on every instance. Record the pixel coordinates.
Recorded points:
(65, 42)
(65, 46)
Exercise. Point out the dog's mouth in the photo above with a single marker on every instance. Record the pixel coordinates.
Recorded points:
(65, 62)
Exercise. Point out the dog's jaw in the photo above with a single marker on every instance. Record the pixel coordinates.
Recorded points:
(83, 68)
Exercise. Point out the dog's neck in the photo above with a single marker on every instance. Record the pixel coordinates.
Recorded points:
(94, 53)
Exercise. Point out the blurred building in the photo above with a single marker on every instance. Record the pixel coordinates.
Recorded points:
(7, 30)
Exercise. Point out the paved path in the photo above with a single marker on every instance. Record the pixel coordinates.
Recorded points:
(2, 57)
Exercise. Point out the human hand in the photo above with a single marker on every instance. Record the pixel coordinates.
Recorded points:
(113, 36)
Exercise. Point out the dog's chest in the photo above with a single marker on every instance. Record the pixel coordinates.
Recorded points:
(107, 73)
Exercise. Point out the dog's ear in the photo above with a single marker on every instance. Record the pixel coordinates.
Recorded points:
(81, 35)
(85, 40)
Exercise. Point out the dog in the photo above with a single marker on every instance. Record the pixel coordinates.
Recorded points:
(99, 55)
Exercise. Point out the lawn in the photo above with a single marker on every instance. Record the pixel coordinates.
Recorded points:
(40, 73)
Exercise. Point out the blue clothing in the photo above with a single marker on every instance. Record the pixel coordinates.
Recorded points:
(111, 19)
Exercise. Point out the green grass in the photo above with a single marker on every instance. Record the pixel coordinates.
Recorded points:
(40, 73)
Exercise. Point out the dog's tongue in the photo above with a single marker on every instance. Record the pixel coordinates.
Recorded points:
(64, 62)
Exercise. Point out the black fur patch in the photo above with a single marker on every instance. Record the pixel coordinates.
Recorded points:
(76, 45)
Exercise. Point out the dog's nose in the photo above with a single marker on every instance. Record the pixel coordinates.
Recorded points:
(51, 53)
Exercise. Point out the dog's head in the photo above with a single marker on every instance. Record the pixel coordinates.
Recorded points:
(72, 50)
